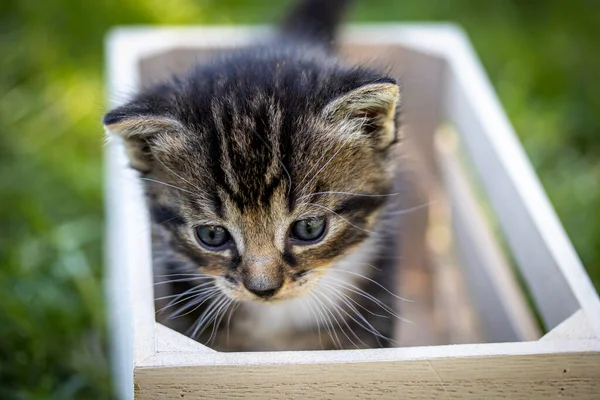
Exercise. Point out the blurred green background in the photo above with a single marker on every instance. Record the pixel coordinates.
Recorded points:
(542, 57)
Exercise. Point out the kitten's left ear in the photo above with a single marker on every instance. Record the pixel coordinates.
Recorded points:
(138, 129)
(369, 110)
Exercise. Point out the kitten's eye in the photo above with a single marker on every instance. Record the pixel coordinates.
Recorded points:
(212, 236)
(309, 230)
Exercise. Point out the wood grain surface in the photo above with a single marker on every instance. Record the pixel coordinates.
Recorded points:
(495, 376)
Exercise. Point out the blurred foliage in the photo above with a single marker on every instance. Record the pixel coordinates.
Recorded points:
(542, 57)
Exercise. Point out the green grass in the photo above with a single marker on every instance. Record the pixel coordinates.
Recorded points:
(541, 56)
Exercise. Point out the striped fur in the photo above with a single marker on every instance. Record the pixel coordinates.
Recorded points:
(252, 141)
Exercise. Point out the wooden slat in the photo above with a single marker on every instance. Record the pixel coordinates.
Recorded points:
(454, 308)
(503, 310)
(128, 254)
(516, 370)
(547, 260)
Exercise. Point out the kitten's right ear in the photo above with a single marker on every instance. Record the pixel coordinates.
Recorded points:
(370, 110)
(138, 130)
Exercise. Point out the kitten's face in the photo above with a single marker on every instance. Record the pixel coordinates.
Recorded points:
(263, 197)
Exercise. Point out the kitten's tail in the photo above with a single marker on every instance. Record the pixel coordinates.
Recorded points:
(315, 21)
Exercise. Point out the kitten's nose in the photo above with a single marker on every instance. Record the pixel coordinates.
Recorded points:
(263, 287)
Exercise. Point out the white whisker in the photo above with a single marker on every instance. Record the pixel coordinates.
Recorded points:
(367, 278)
(327, 163)
(200, 320)
(350, 194)
(370, 297)
(191, 290)
(179, 176)
(217, 321)
(316, 163)
(208, 316)
(326, 315)
(320, 320)
(336, 309)
(196, 303)
(233, 309)
(369, 328)
(184, 274)
(355, 289)
(326, 285)
(190, 279)
(166, 184)
(409, 210)
(311, 312)
(193, 293)
(333, 212)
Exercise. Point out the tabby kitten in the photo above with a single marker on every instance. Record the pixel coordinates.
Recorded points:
(269, 173)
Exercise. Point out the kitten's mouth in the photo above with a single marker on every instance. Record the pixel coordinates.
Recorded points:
(270, 296)
(293, 287)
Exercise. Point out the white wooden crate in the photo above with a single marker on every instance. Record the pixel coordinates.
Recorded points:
(447, 84)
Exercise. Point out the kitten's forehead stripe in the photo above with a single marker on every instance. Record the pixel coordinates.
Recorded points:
(214, 157)
(250, 144)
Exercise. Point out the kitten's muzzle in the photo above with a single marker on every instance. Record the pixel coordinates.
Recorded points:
(262, 286)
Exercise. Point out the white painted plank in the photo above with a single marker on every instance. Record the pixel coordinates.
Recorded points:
(117, 285)
(129, 277)
(168, 340)
(419, 353)
(515, 370)
(554, 273)
(574, 327)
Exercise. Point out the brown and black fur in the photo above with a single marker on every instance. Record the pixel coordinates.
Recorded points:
(251, 141)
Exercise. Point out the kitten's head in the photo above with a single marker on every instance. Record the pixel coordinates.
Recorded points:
(264, 169)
